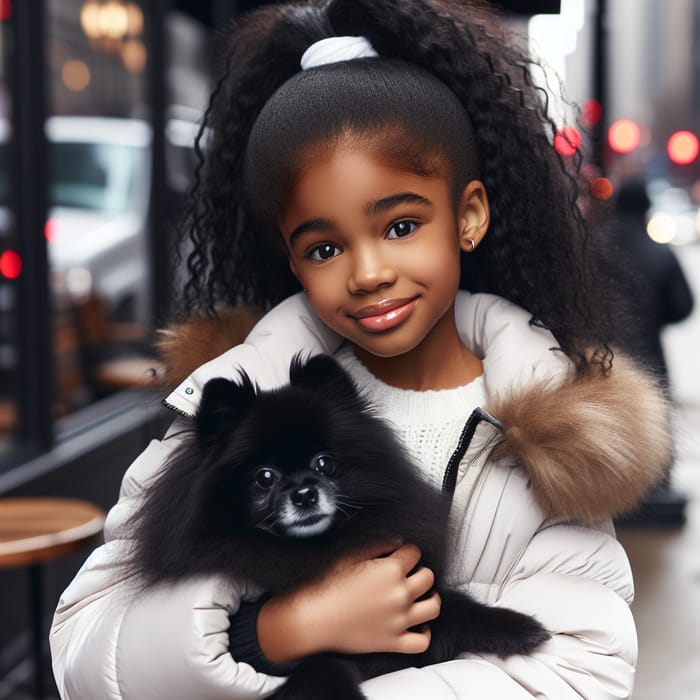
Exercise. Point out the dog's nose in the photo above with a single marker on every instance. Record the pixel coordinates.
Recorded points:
(304, 496)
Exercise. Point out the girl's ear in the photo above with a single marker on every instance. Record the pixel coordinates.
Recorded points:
(474, 216)
(291, 265)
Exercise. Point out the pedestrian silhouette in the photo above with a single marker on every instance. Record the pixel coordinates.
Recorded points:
(658, 295)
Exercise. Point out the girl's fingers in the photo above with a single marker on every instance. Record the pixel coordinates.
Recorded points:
(408, 556)
(423, 611)
(414, 642)
(377, 550)
(420, 582)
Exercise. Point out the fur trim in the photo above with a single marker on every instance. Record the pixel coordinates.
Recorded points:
(185, 346)
(592, 446)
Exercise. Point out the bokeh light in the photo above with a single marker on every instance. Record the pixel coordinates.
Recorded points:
(50, 230)
(624, 136)
(10, 264)
(602, 188)
(567, 141)
(661, 228)
(683, 147)
(591, 112)
(75, 75)
(134, 19)
(134, 55)
(5, 10)
(113, 20)
(90, 18)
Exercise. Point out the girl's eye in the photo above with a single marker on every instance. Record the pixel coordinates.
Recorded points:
(323, 464)
(324, 251)
(401, 229)
(265, 478)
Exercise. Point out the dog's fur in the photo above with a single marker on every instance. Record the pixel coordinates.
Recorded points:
(274, 486)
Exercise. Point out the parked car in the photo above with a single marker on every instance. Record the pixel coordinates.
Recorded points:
(99, 186)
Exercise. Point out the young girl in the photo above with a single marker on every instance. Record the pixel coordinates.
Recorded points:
(379, 156)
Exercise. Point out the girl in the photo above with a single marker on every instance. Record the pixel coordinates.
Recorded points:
(381, 156)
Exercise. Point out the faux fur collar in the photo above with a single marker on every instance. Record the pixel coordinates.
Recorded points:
(186, 345)
(592, 445)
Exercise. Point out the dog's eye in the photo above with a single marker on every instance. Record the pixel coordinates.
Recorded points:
(323, 464)
(266, 478)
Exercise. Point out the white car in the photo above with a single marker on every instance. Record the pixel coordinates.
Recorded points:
(98, 196)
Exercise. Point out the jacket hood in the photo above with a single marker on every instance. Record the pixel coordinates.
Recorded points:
(592, 444)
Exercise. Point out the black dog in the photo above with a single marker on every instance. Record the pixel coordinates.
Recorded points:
(273, 486)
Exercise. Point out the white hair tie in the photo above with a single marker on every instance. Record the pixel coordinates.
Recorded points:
(336, 48)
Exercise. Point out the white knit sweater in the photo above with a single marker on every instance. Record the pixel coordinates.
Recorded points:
(427, 423)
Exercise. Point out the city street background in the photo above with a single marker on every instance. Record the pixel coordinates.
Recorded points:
(666, 563)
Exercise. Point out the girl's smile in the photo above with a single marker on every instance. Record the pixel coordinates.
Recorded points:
(385, 315)
(377, 250)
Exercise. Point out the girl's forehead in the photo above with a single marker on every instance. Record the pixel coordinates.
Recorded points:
(359, 182)
(350, 153)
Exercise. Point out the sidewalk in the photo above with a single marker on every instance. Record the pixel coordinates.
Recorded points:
(666, 564)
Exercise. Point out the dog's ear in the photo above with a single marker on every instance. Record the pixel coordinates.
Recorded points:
(223, 404)
(322, 373)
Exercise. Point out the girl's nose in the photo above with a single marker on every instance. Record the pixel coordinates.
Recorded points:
(371, 270)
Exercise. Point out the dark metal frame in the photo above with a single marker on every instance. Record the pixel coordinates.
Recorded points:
(30, 205)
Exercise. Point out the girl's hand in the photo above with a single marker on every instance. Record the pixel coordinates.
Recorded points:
(366, 603)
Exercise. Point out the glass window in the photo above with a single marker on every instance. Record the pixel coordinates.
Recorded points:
(99, 142)
(10, 262)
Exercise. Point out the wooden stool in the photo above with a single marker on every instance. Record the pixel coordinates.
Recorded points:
(37, 530)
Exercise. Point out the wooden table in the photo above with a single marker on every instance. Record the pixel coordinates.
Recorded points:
(37, 530)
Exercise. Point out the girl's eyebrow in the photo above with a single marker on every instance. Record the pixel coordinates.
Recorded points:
(373, 208)
(380, 206)
(309, 227)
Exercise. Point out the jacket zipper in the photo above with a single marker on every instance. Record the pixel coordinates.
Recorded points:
(449, 480)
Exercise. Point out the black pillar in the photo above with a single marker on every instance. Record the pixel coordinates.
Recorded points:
(599, 155)
(29, 159)
(160, 239)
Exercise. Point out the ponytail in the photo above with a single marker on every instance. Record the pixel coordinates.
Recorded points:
(265, 50)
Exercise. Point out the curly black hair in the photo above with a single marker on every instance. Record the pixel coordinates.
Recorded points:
(539, 252)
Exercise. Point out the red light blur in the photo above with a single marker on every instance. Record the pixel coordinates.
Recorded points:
(50, 229)
(624, 136)
(602, 188)
(567, 141)
(5, 9)
(683, 147)
(591, 112)
(10, 264)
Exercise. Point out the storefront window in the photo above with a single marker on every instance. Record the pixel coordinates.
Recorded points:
(99, 144)
(10, 261)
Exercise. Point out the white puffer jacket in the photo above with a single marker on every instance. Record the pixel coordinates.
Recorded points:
(565, 454)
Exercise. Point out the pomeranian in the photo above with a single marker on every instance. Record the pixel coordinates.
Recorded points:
(274, 486)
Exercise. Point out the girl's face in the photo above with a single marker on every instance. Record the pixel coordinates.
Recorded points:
(377, 250)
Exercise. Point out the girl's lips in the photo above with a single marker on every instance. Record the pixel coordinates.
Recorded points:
(381, 317)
